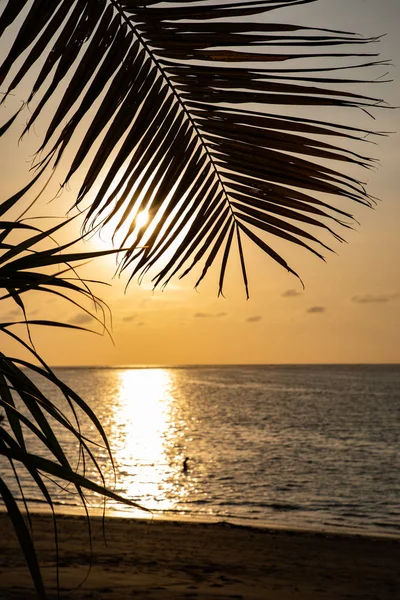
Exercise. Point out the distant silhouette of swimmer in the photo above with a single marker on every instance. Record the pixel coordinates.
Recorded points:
(185, 467)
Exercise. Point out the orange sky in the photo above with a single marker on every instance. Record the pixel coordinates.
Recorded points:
(349, 311)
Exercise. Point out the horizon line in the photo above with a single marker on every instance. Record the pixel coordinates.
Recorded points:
(197, 365)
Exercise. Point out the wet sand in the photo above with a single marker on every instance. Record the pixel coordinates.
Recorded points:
(170, 560)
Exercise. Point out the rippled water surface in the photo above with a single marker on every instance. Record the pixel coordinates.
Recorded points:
(295, 446)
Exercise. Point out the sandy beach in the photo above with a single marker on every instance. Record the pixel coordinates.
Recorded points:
(156, 559)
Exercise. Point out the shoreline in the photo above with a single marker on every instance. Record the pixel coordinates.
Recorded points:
(97, 512)
(168, 559)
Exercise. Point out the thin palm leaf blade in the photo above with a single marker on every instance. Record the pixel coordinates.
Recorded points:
(24, 538)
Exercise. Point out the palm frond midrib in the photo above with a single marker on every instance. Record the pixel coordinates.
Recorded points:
(196, 130)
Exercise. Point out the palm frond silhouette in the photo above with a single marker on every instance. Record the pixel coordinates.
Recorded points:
(190, 115)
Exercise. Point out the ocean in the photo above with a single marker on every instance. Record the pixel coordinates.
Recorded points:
(309, 447)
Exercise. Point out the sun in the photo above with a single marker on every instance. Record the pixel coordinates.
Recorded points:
(141, 219)
(105, 239)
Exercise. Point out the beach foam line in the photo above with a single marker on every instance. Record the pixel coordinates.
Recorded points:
(327, 528)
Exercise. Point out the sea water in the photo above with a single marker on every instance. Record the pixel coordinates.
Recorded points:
(288, 446)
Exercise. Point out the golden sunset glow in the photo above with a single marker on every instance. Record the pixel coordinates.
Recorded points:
(348, 312)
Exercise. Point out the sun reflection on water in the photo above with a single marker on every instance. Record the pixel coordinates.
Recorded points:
(145, 436)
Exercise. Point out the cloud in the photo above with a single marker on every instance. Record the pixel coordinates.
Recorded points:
(316, 309)
(12, 314)
(141, 324)
(375, 298)
(129, 318)
(80, 319)
(17, 315)
(254, 319)
(201, 315)
(291, 294)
